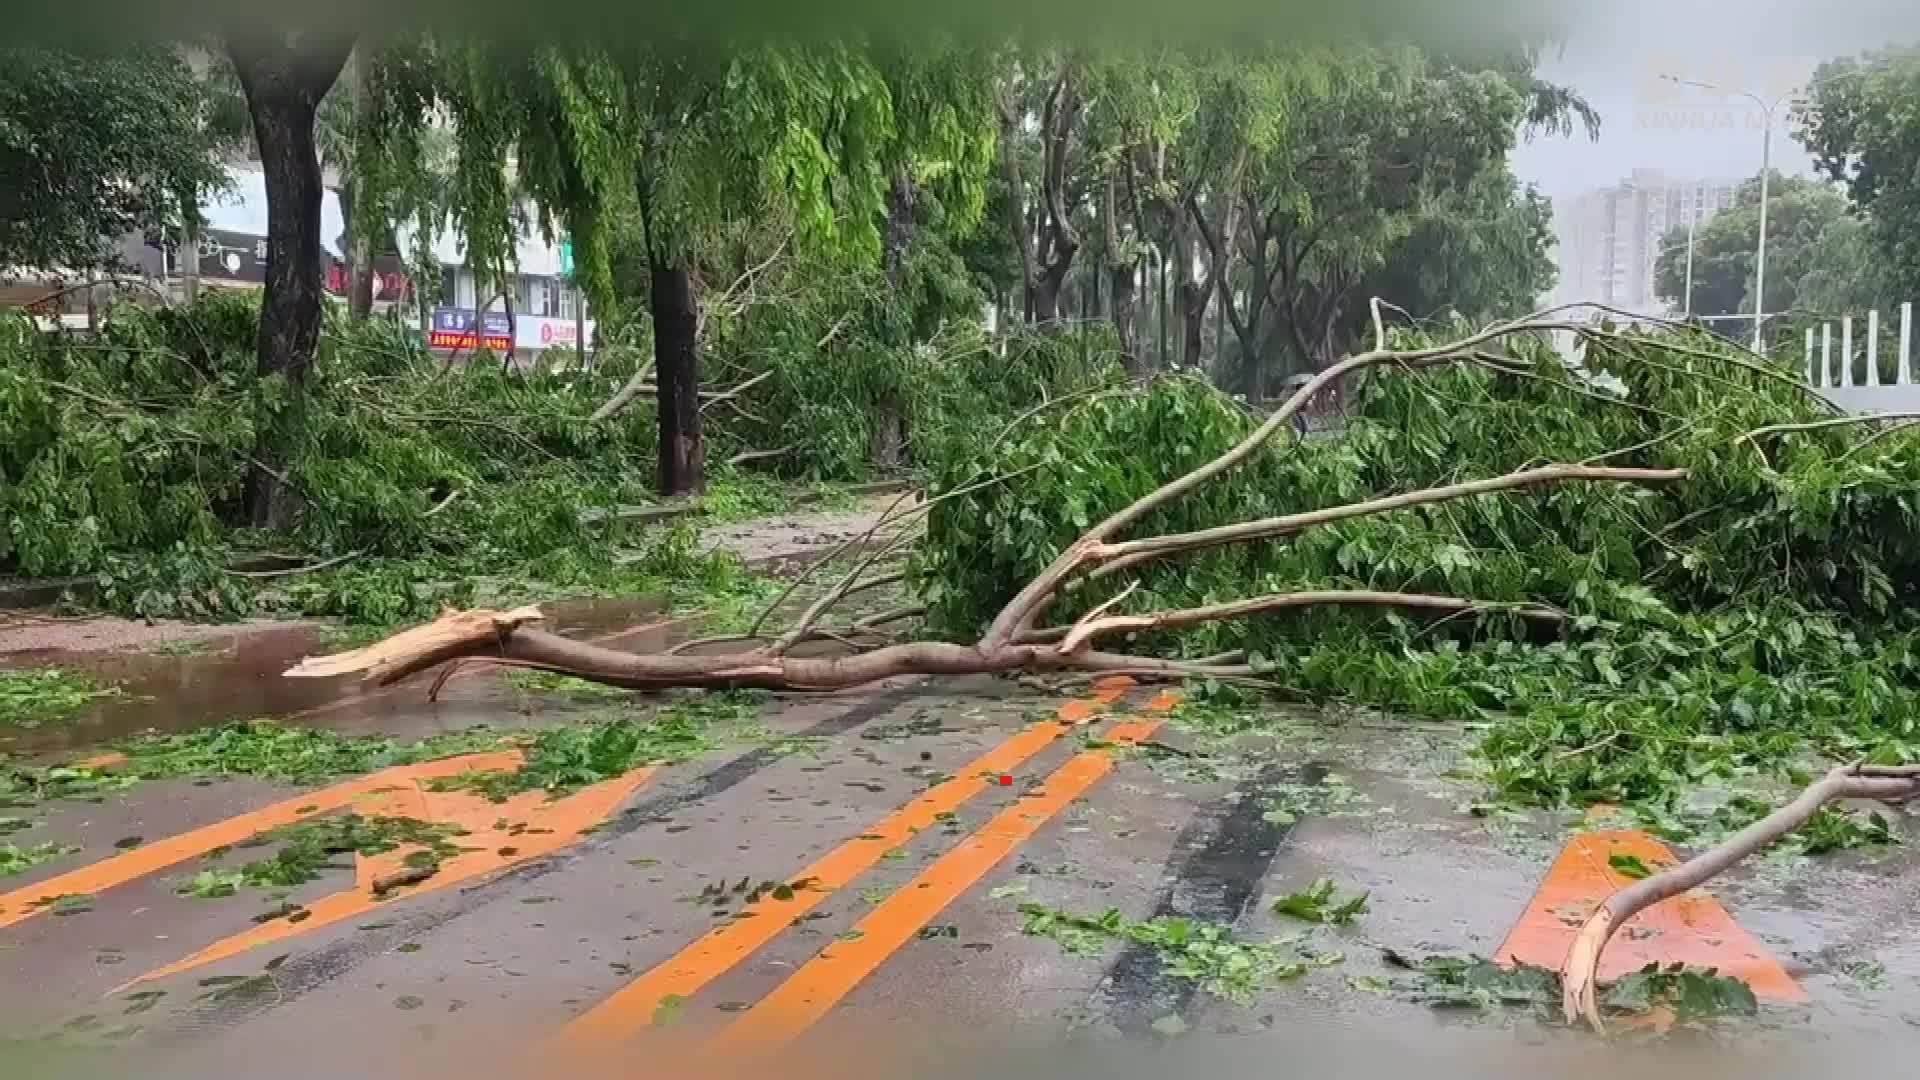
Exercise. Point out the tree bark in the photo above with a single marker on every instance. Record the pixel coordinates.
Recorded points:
(1120, 286)
(284, 84)
(190, 253)
(676, 351)
(889, 436)
(360, 239)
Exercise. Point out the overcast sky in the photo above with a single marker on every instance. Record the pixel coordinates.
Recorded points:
(1617, 49)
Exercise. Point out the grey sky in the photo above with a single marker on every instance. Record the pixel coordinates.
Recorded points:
(1615, 51)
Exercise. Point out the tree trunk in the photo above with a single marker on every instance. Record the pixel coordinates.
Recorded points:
(190, 254)
(1120, 288)
(284, 87)
(359, 238)
(1192, 302)
(889, 412)
(1046, 293)
(676, 352)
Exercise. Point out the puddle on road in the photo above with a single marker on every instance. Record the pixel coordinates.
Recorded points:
(241, 678)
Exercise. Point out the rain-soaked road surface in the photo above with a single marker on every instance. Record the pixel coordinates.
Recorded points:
(844, 886)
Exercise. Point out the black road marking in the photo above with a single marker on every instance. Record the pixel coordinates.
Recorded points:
(1219, 860)
(310, 971)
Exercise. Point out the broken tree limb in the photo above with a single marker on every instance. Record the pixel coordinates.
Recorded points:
(1269, 528)
(614, 405)
(729, 395)
(746, 456)
(1090, 629)
(1017, 617)
(1008, 645)
(458, 636)
(453, 635)
(1579, 973)
(1838, 421)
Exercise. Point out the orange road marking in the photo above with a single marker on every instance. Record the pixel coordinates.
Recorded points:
(632, 1008)
(24, 903)
(497, 836)
(1692, 928)
(820, 983)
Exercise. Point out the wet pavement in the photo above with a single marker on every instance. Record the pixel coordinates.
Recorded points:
(849, 874)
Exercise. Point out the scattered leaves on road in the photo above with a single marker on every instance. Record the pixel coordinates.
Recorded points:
(1319, 904)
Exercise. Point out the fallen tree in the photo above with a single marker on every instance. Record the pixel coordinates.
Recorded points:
(1724, 597)
(1011, 643)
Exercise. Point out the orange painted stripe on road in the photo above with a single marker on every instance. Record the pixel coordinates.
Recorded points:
(493, 836)
(24, 903)
(810, 992)
(1692, 928)
(632, 1008)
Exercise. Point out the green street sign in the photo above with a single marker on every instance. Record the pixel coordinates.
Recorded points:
(566, 257)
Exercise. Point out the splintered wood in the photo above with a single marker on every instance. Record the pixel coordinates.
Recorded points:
(454, 633)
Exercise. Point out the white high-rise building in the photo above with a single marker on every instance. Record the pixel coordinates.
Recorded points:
(1608, 239)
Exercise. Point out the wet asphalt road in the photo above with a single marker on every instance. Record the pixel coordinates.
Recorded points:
(910, 947)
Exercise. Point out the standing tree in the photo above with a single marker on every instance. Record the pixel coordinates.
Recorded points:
(286, 74)
(1799, 214)
(682, 139)
(1861, 126)
(95, 146)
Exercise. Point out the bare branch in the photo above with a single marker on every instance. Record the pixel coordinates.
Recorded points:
(614, 405)
(1838, 421)
(729, 395)
(1090, 628)
(746, 456)
(1579, 973)
(1019, 612)
(1268, 528)
(833, 596)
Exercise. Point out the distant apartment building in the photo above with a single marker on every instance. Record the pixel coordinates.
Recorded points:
(1609, 239)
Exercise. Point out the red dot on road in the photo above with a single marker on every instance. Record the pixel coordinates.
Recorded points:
(1005, 780)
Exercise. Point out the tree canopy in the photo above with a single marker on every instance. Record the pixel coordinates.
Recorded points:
(95, 146)
(1861, 126)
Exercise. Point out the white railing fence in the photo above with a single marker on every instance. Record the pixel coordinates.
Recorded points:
(1873, 369)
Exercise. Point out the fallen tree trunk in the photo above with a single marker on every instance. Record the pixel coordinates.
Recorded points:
(1010, 644)
(1579, 973)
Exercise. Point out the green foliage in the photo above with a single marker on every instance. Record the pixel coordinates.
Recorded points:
(126, 456)
(308, 848)
(1800, 216)
(35, 696)
(1728, 630)
(1859, 123)
(94, 146)
(563, 759)
(1692, 994)
(18, 860)
(284, 754)
(1207, 953)
(1317, 903)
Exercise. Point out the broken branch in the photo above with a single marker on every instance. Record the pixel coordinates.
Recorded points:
(1269, 528)
(1093, 627)
(1579, 973)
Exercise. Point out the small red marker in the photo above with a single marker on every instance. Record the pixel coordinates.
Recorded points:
(1005, 780)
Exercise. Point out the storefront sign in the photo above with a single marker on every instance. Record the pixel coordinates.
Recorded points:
(453, 328)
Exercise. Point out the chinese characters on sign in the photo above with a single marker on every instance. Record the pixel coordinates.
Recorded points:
(453, 328)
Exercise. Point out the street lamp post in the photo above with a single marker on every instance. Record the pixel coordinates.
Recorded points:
(1766, 167)
(1760, 259)
(1693, 223)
